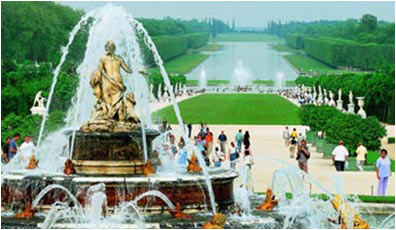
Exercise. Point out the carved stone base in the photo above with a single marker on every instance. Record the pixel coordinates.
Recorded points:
(112, 153)
(109, 167)
(108, 126)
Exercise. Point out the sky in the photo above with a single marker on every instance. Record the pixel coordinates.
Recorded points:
(252, 14)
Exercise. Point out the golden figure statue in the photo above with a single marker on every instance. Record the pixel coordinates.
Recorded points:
(114, 109)
(148, 169)
(178, 213)
(346, 212)
(217, 222)
(269, 203)
(193, 166)
(33, 163)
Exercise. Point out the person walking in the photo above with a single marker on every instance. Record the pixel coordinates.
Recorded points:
(239, 139)
(294, 134)
(384, 171)
(286, 136)
(189, 127)
(361, 152)
(303, 155)
(233, 155)
(246, 140)
(222, 140)
(209, 141)
(340, 156)
(292, 147)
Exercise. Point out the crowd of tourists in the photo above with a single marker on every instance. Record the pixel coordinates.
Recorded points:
(218, 151)
(10, 149)
(298, 149)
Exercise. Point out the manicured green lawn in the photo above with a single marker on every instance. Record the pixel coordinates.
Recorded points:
(306, 64)
(244, 37)
(363, 198)
(249, 109)
(289, 83)
(210, 47)
(209, 82)
(184, 64)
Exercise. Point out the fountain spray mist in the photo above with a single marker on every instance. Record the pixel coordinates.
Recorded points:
(157, 58)
(109, 23)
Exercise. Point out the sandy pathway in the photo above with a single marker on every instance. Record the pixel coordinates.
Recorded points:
(267, 145)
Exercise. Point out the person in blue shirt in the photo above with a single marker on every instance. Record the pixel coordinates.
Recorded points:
(239, 139)
(13, 146)
(384, 171)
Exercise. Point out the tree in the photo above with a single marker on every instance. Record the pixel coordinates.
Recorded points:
(369, 22)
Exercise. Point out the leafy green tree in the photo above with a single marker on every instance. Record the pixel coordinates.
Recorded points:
(369, 23)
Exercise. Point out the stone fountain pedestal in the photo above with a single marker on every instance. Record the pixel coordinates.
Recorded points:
(111, 153)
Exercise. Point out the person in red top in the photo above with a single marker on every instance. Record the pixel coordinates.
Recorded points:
(209, 141)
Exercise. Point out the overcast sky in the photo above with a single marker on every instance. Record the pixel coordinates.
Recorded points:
(256, 14)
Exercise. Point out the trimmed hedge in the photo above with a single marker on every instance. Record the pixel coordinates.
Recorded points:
(377, 88)
(172, 46)
(197, 40)
(347, 53)
(295, 40)
(363, 198)
(341, 126)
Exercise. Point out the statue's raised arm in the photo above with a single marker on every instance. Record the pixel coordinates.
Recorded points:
(124, 66)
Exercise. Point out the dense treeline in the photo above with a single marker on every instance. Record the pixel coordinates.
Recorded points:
(33, 34)
(341, 126)
(376, 87)
(365, 30)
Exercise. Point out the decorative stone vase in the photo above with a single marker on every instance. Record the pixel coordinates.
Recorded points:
(361, 111)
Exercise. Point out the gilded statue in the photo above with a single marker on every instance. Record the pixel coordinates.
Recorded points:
(114, 108)
(346, 213)
(269, 203)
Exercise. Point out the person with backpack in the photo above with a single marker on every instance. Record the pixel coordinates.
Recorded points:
(302, 156)
(233, 155)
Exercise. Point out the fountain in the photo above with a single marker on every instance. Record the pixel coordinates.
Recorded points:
(108, 139)
(280, 80)
(108, 167)
(241, 75)
(202, 78)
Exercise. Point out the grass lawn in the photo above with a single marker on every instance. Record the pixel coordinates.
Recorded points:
(209, 82)
(305, 64)
(363, 198)
(370, 163)
(210, 47)
(183, 64)
(248, 109)
(244, 37)
(289, 83)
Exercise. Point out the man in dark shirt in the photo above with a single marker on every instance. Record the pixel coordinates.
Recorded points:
(222, 140)
(189, 127)
(13, 146)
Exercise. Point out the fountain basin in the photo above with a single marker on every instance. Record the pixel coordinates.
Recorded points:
(111, 153)
(187, 189)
